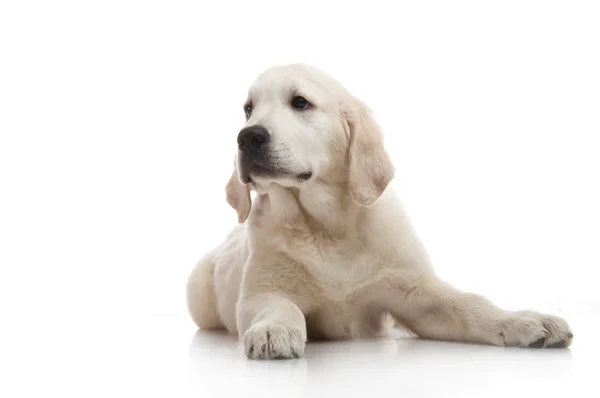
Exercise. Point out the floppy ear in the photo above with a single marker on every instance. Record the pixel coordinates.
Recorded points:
(238, 196)
(371, 168)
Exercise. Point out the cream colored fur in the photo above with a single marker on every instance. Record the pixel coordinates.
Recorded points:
(334, 257)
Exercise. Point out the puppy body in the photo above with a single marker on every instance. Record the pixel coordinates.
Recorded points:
(334, 256)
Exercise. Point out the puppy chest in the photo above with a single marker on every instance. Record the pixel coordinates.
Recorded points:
(332, 320)
(342, 320)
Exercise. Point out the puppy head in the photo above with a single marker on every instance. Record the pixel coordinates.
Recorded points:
(303, 126)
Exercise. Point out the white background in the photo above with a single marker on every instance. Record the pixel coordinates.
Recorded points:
(118, 122)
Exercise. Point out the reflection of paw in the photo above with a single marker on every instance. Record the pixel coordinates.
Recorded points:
(272, 340)
(535, 330)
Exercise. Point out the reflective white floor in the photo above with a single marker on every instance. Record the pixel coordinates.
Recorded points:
(164, 356)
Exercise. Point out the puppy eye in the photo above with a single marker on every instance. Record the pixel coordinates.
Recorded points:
(299, 102)
(248, 110)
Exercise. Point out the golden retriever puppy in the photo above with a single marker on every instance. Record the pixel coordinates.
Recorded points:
(326, 251)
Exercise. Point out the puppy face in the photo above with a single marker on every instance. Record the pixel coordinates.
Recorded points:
(303, 126)
(294, 129)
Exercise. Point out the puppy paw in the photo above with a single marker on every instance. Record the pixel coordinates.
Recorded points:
(272, 340)
(534, 330)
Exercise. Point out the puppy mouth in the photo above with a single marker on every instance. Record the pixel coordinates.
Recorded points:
(258, 168)
(304, 176)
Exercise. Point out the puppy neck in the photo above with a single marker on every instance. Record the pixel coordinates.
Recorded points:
(323, 204)
(323, 207)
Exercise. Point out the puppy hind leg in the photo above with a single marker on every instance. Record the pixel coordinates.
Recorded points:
(201, 297)
(436, 310)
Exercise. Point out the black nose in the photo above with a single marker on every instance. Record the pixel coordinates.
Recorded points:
(253, 138)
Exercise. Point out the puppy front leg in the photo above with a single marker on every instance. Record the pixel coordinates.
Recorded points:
(433, 309)
(271, 327)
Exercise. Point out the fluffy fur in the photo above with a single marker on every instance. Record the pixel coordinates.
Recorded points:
(334, 256)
